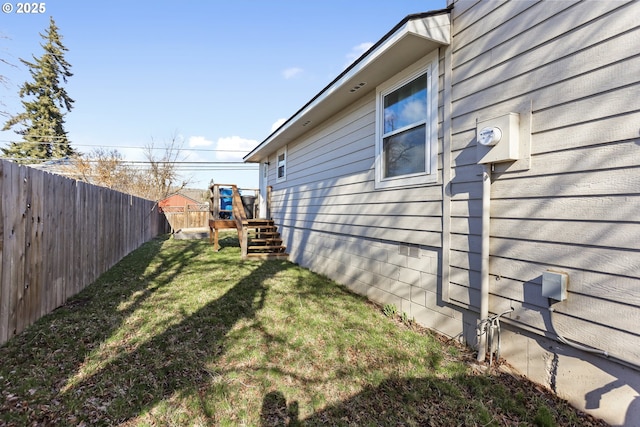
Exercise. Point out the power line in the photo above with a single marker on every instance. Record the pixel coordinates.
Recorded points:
(126, 146)
(168, 162)
(67, 162)
(42, 137)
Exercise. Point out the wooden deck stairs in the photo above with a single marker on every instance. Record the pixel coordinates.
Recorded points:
(262, 240)
(259, 238)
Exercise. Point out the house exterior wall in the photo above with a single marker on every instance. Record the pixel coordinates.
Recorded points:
(571, 70)
(385, 244)
(329, 186)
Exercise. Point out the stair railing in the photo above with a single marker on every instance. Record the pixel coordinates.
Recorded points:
(240, 216)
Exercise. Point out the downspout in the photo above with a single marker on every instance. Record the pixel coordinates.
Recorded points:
(484, 268)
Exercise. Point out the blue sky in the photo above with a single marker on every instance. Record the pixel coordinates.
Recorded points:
(215, 74)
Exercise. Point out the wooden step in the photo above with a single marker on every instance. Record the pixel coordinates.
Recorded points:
(258, 234)
(262, 229)
(266, 248)
(264, 241)
(264, 236)
(281, 255)
(258, 222)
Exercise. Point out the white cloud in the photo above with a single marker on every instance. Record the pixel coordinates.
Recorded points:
(277, 124)
(357, 51)
(292, 72)
(199, 141)
(196, 142)
(228, 146)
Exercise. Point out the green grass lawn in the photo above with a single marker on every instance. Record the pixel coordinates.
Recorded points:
(176, 334)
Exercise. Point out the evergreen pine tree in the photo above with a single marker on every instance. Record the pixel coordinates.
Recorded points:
(42, 121)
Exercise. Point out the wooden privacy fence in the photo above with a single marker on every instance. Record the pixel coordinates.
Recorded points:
(187, 216)
(57, 236)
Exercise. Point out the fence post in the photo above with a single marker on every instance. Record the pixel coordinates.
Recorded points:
(244, 239)
(215, 201)
(186, 214)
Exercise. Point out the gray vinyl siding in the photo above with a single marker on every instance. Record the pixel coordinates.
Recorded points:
(575, 66)
(330, 187)
(385, 244)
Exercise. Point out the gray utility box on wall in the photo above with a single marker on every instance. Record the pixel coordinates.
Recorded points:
(554, 285)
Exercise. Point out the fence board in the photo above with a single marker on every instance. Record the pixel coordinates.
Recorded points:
(19, 266)
(48, 245)
(5, 289)
(29, 257)
(66, 233)
(37, 284)
(11, 249)
(57, 236)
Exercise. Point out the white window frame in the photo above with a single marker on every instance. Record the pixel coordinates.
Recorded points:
(429, 66)
(281, 163)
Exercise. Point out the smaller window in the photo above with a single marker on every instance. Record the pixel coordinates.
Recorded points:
(282, 165)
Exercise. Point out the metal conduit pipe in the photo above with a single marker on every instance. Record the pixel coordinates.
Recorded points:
(484, 268)
(490, 327)
(577, 346)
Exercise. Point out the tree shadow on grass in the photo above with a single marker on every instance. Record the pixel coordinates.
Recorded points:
(407, 401)
(173, 361)
(465, 399)
(228, 242)
(53, 348)
(46, 377)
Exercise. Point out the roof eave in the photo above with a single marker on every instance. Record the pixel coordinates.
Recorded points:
(414, 37)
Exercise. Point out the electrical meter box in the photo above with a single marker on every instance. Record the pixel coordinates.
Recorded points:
(498, 139)
(554, 285)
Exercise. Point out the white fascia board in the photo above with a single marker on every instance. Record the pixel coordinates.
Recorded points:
(434, 29)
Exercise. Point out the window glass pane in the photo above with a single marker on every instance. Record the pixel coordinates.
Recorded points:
(406, 105)
(404, 153)
(282, 164)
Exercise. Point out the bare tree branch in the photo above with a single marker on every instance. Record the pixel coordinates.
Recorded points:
(163, 178)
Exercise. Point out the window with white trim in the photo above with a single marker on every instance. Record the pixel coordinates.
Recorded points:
(281, 165)
(406, 126)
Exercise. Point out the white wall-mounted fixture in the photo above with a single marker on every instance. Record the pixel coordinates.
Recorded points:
(506, 138)
(554, 285)
(499, 139)
(484, 258)
(490, 136)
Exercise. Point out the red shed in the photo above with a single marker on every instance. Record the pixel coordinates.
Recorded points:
(177, 200)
